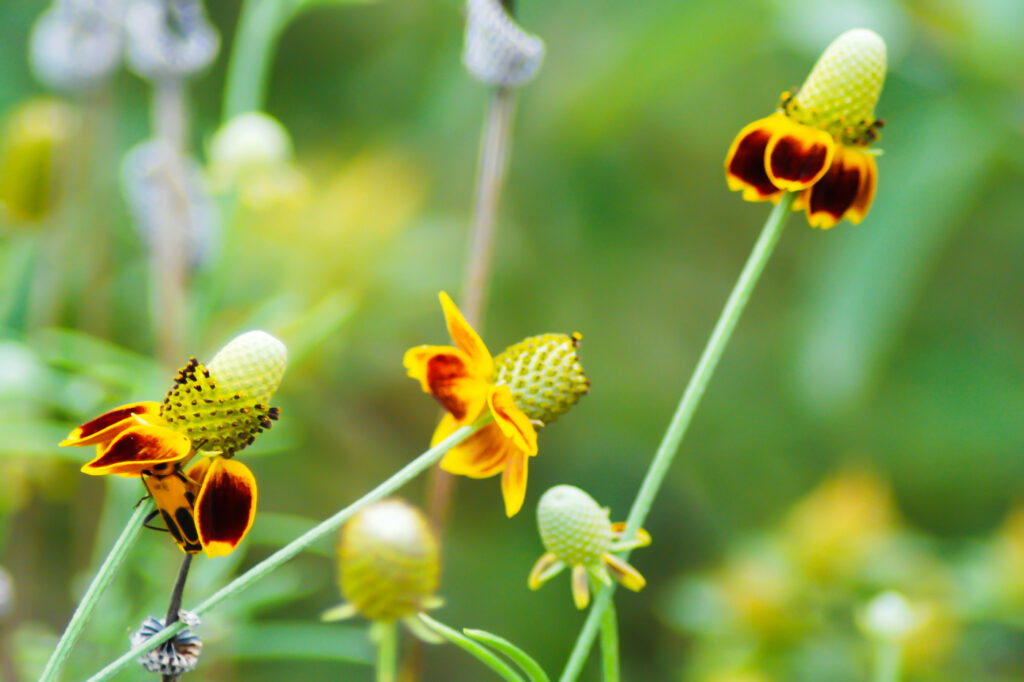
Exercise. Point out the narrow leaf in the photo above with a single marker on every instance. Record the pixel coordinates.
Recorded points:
(521, 658)
(474, 649)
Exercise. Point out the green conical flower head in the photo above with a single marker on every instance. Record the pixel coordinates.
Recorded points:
(843, 87)
(573, 526)
(544, 374)
(389, 561)
(222, 406)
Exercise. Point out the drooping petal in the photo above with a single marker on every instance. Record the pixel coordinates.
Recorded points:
(623, 572)
(547, 567)
(838, 191)
(450, 376)
(109, 424)
(642, 538)
(513, 482)
(142, 448)
(866, 191)
(226, 505)
(745, 163)
(580, 587)
(466, 338)
(512, 421)
(482, 455)
(797, 155)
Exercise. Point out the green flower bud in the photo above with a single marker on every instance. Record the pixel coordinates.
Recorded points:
(544, 374)
(389, 561)
(573, 526)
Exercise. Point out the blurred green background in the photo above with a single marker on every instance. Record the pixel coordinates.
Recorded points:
(884, 359)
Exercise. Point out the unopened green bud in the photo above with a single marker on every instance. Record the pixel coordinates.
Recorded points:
(544, 374)
(573, 526)
(389, 561)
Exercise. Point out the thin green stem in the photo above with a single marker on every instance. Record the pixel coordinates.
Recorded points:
(259, 27)
(92, 595)
(684, 413)
(888, 661)
(386, 636)
(610, 645)
(275, 560)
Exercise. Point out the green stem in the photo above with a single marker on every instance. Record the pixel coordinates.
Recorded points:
(610, 645)
(275, 560)
(91, 598)
(684, 413)
(386, 636)
(259, 27)
(888, 661)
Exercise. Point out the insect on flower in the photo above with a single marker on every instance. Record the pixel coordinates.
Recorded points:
(213, 411)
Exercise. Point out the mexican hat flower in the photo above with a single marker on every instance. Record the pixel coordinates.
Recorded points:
(530, 384)
(817, 142)
(388, 566)
(576, 532)
(215, 411)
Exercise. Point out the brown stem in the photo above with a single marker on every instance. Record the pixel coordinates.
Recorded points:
(175, 604)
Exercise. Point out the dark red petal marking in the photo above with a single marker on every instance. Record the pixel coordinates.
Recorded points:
(443, 373)
(141, 445)
(225, 507)
(84, 434)
(795, 160)
(747, 164)
(837, 189)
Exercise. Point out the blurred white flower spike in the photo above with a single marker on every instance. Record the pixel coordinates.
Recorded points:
(497, 51)
(76, 45)
(169, 39)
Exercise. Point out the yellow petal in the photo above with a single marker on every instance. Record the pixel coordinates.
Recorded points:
(449, 375)
(623, 572)
(110, 424)
(547, 567)
(138, 449)
(580, 587)
(513, 482)
(642, 539)
(512, 421)
(745, 162)
(482, 455)
(226, 506)
(466, 338)
(797, 155)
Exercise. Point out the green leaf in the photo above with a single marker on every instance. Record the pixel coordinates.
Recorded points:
(521, 658)
(474, 649)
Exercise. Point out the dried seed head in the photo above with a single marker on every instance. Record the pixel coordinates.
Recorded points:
(842, 89)
(389, 561)
(573, 526)
(176, 656)
(544, 375)
(222, 406)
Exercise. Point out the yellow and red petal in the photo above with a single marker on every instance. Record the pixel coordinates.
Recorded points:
(642, 539)
(580, 587)
(512, 421)
(745, 163)
(482, 455)
(846, 190)
(110, 424)
(138, 449)
(466, 338)
(449, 375)
(547, 567)
(513, 481)
(797, 155)
(623, 572)
(226, 505)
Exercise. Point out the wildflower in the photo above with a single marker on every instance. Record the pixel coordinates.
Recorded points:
(532, 382)
(816, 143)
(389, 562)
(214, 411)
(576, 532)
(177, 656)
(496, 50)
